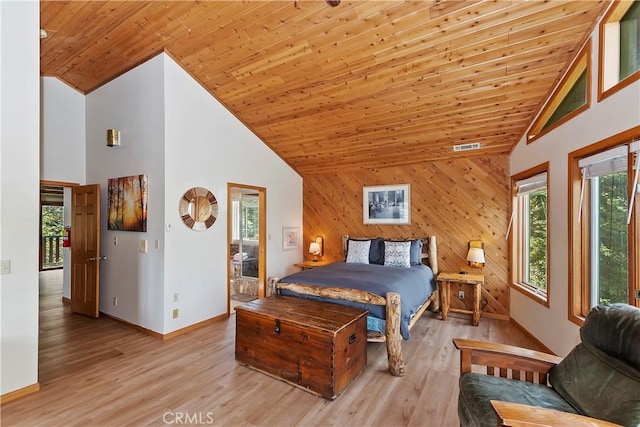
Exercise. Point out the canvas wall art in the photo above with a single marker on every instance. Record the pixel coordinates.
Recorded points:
(127, 207)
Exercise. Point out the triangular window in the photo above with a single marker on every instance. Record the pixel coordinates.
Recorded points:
(570, 98)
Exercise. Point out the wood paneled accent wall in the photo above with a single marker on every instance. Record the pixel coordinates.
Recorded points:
(455, 200)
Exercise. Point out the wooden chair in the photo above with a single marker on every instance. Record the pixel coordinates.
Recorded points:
(599, 380)
(519, 415)
(520, 364)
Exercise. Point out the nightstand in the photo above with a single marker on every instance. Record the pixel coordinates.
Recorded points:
(444, 288)
(307, 265)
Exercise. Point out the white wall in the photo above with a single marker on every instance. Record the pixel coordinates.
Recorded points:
(134, 104)
(63, 133)
(206, 146)
(19, 193)
(62, 147)
(181, 137)
(613, 115)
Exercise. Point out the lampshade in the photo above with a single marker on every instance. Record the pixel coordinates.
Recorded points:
(314, 248)
(476, 255)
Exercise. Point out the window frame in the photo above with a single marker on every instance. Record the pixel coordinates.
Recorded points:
(609, 50)
(517, 252)
(581, 64)
(578, 233)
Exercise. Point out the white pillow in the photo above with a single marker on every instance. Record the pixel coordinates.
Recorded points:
(358, 251)
(397, 254)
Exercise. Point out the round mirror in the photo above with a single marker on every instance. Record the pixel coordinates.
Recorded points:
(198, 208)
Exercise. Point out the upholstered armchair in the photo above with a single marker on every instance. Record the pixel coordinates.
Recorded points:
(598, 383)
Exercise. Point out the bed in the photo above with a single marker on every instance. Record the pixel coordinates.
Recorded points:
(376, 276)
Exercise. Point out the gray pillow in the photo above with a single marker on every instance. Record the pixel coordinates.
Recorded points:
(397, 254)
(416, 252)
(358, 252)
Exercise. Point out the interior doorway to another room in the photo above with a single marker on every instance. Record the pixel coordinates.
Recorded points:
(246, 238)
(55, 219)
(51, 226)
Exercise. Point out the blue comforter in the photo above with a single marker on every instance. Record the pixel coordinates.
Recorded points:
(414, 285)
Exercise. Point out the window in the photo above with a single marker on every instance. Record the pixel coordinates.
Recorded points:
(605, 180)
(604, 231)
(569, 99)
(619, 59)
(576, 98)
(630, 41)
(245, 217)
(235, 219)
(529, 242)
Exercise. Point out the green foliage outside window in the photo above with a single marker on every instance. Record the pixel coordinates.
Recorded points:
(537, 274)
(630, 41)
(575, 98)
(52, 220)
(250, 218)
(613, 262)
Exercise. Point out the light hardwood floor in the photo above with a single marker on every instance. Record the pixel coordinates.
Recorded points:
(101, 373)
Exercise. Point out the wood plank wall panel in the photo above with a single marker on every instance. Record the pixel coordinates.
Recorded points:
(455, 200)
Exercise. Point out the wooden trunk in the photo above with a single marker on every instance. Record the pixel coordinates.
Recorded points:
(318, 346)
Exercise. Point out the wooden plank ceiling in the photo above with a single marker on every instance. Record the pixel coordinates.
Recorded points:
(364, 84)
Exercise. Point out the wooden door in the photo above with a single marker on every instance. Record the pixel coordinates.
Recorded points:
(85, 249)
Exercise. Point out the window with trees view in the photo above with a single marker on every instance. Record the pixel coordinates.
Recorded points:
(52, 228)
(602, 271)
(619, 59)
(607, 228)
(630, 41)
(569, 98)
(529, 240)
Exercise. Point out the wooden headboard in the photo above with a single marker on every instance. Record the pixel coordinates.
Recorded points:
(429, 250)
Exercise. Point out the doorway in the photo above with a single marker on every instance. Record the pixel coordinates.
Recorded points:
(51, 226)
(246, 244)
(55, 216)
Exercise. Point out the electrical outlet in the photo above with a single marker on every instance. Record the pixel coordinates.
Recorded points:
(461, 295)
(175, 313)
(115, 301)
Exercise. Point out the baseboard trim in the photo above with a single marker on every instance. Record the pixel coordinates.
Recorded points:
(133, 326)
(66, 300)
(194, 327)
(494, 316)
(16, 394)
(170, 334)
(531, 336)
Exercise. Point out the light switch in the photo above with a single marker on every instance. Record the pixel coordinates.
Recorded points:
(143, 246)
(5, 266)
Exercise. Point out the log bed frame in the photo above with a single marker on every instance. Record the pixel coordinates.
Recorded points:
(392, 335)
